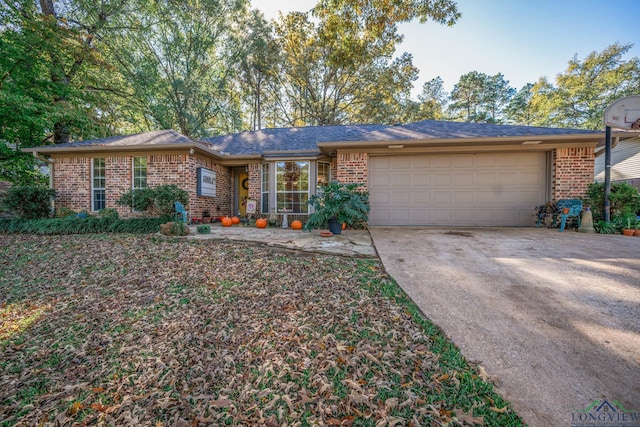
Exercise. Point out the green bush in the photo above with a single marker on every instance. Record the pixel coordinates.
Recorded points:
(204, 229)
(347, 203)
(29, 202)
(75, 225)
(158, 200)
(624, 201)
(109, 213)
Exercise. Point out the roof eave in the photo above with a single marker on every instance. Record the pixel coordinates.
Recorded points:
(467, 141)
(124, 148)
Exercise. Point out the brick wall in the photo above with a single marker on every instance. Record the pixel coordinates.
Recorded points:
(255, 175)
(216, 206)
(352, 168)
(72, 181)
(572, 172)
(118, 171)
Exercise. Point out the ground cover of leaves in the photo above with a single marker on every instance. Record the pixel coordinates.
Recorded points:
(143, 330)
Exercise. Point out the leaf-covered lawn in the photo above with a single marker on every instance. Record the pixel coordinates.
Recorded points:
(130, 330)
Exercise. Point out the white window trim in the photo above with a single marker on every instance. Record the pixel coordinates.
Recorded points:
(133, 172)
(93, 188)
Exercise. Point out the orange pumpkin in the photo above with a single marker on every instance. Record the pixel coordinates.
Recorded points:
(296, 225)
(235, 220)
(226, 222)
(261, 223)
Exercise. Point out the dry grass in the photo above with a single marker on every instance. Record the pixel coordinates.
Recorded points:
(128, 330)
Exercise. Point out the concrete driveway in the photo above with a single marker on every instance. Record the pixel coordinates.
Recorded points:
(554, 318)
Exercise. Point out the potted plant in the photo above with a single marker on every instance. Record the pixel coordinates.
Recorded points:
(628, 230)
(338, 203)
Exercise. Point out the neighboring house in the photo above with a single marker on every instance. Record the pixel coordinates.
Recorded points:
(424, 173)
(625, 163)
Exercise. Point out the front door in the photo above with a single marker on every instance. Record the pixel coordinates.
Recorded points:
(243, 193)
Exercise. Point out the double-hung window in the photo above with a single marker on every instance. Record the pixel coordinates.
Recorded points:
(139, 177)
(292, 186)
(98, 184)
(139, 173)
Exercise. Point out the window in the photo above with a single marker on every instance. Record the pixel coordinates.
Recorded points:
(98, 184)
(324, 175)
(139, 173)
(292, 186)
(265, 189)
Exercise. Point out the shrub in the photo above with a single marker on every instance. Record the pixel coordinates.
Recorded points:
(166, 195)
(75, 225)
(347, 203)
(203, 229)
(159, 200)
(624, 200)
(109, 213)
(29, 202)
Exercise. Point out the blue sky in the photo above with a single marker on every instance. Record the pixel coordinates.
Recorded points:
(522, 39)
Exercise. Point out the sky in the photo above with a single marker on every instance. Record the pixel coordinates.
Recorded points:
(522, 39)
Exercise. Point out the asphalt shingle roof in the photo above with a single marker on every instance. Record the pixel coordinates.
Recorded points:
(159, 137)
(306, 139)
(289, 139)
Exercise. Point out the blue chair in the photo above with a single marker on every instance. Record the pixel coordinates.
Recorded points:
(180, 210)
(575, 209)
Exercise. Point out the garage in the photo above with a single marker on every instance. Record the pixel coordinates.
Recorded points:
(483, 189)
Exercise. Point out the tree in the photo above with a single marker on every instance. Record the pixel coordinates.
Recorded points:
(341, 68)
(179, 59)
(467, 97)
(47, 67)
(480, 98)
(519, 111)
(586, 88)
(257, 65)
(433, 100)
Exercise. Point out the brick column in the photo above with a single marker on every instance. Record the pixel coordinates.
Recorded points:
(352, 168)
(255, 172)
(572, 172)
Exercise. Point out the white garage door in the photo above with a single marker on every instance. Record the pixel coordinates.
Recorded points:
(497, 189)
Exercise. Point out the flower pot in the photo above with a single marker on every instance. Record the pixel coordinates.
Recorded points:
(636, 233)
(628, 231)
(334, 226)
(565, 211)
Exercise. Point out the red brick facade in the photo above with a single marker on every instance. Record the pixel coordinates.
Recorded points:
(72, 181)
(352, 168)
(255, 175)
(572, 172)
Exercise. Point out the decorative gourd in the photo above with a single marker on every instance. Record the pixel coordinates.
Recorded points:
(296, 225)
(235, 220)
(261, 223)
(344, 225)
(226, 221)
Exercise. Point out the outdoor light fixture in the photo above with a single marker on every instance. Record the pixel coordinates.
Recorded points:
(395, 146)
(531, 142)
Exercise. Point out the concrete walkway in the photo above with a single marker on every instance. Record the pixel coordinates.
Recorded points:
(351, 243)
(554, 318)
